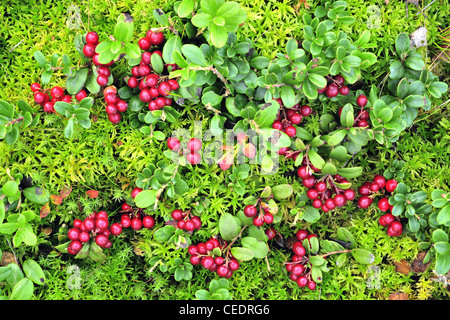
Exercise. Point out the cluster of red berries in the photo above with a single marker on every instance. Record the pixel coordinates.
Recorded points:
(261, 218)
(202, 253)
(114, 105)
(324, 193)
(95, 226)
(371, 189)
(135, 218)
(289, 117)
(297, 268)
(103, 70)
(335, 87)
(192, 154)
(362, 117)
(186, 221)
(153, 89)
(42, 98)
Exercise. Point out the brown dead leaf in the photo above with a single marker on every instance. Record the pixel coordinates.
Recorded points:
(47, 231)
(7, 258)
(45, 210)
(398, 296)
(56, 200)
(92, 194)
(289, 242)
(417, 264)
(402, 266)
(65, 192)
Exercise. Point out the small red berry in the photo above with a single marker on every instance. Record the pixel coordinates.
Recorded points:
(250, 211)
(92, 38)
(144, 43)
(361, 100)
(391, 185)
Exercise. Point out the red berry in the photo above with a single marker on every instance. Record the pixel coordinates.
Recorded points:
(257, 221)
(233, 264)
(222, 270)
(144, 43)
(268, 218)
(194, 158)
(57, 92)
(330, 204)
(344, 90)
(156, 38)
(102, 80)
(332, 90)
(301, 234)
(270, 233)
(250, 211)
(89, 50)
(75, 246)
(391, 185)
(115, 229)
(383, 204)
(197, 222)
(77, 223)
(35, 87)
(364, 190)
(364, 202)
(302, 281)
(303, 172)
(89, 224)
(322, 90)
(349, 194)
(299, 250)
(291, 131)
(207, 262)
(101, 240)
(135, 192)
(298, 269)
(305, 110)
(67, 99)
(121, 106)
(395, 229)
(125, 222)
(74, 233)
(49, 107)
(92, 38)
(340, 200)
(363, 115)
(177, 214)
(81, 95)
(84, 236)
(41, 98)
(361, 100)
(164, 89)
(309, 182)
(362, 124)
(312, 194)
(151, 80)
(173, 84)
(173, 144)
(340, 80)
(194, 145)
(114, 118)
(296, 118)
(277, 125)
(102, 223)
(317, 203)
(146, 57)
(311, 285)
(136, 224)
(148, 222)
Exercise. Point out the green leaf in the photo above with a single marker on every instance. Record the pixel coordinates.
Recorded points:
(347, 117)
(132, 50)
(282, 191)
(402, 43)
(318, 80)
(40, 58)
(68, 130)
(415, 63)
(194, 54)
(23, 290)
(259, 62)
(211, 98)
(75, 83)
(336, 137)
(345, 235)
(37, 195)
(288, 96)
(218, 35)
(350, 173)
(10, 189)
(161, 17)
(259, 248)
(157, 63)
(243, 254)
(362, 256)
(397, 70)
(229, 226)
(145, 198)
(444, 215)
(185, 8)
(34, 272)
(171, 45)
(439, 235)
(316, 160)
(165, 233)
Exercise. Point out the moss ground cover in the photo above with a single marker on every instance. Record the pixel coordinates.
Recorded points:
(109, 158)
